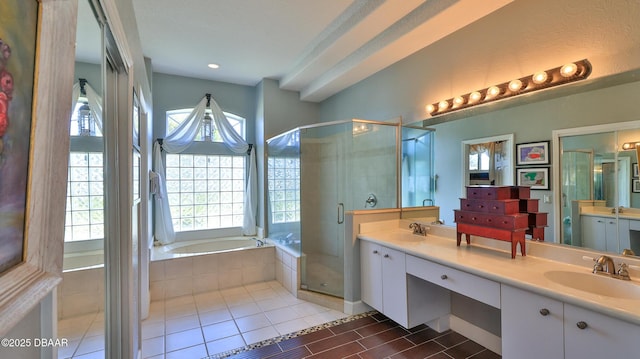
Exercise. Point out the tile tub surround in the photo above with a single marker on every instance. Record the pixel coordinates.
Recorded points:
(287, 264)
(177, 277)
(81, 292)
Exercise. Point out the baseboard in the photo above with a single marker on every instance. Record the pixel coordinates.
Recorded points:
(477, 334)
(356, 307)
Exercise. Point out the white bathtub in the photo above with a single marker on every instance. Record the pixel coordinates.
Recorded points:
(83, 260)
(203, 246)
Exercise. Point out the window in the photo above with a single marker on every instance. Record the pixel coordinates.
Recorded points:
(479, 161)
(206, 183)
(85, 184)
(283, 175)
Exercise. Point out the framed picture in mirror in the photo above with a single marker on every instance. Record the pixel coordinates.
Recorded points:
(635, 170)
(534, 177)
(635, 186)
(532, 153)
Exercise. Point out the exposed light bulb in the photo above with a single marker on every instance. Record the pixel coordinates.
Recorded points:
(515, 85)
(443, 105)
(475, 97)
(430, 108)
(213, 66)
(568, 70)
(493, 91)
(458, 101)
(539, 77)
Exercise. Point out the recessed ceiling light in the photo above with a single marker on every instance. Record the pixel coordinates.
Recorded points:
(213, 66)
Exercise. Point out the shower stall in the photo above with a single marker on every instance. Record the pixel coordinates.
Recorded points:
(317, 173)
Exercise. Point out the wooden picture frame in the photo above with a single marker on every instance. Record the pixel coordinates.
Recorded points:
(26, 284)
(533, 153)
(533, 177)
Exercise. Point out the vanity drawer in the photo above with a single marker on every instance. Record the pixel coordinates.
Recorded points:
(528, 205)
(506, 206)
(485, 192)
(470, 285)
(512, 221)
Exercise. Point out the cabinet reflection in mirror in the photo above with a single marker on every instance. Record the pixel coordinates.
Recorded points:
(599, 199)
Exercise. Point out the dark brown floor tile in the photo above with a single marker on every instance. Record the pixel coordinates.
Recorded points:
(418, 328)
(334, 341)
(354, 356)
(421, 351)
(450, 339)
(295, 353)
(423, 335)
(258, 353)
(387, 349)
(354, 324)
(379, 317)
(464, 350)
(376, 328)
(339, 352)
(486, 354)
(382, 337)
(440, 355)
(305, 339)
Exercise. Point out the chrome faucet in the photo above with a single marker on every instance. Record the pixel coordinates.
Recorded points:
(418, 228)
(605, 265)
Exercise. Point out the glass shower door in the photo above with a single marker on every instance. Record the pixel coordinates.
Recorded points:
(322, 210)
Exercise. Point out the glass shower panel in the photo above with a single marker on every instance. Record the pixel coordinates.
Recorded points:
(372, 178)
(418, 184)
(322, 168)
(283, 183)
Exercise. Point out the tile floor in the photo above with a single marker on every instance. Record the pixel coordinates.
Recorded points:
(196, 326)
(372, 337)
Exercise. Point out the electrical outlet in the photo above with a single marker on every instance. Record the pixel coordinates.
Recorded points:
(547, 198)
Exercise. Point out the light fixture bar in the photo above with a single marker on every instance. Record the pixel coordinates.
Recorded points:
(571, 72)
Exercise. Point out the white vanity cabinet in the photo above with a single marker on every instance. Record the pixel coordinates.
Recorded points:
(532, 325)
(593, 335)
(603, 233)
(535, 326)
(386, 287)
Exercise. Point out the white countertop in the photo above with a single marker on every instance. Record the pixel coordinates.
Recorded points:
(522, 272)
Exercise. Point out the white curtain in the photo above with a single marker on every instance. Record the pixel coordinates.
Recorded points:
(178, 141)
(94, 100)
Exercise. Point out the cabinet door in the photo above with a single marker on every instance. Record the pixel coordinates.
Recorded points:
(394, 285)
(593, 232)
(531, 325)
(611, 235)
(593, 335)
(623, 234)
(371, 274)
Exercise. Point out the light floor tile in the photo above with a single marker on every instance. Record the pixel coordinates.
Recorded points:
(93, 355)
(243, 310)
(152, 347)
(259, 335)
(90, 344)
(220, 330)
(215, 316)
(225, 344)
(282, 315)
(183, 323)
(152, 329)
(198, 351)
(185, 339)
(252, 322)
(291, 326)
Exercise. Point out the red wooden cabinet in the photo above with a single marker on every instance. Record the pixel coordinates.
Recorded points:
(504, 213)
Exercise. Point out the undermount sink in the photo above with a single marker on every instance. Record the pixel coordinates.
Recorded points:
(596, 284)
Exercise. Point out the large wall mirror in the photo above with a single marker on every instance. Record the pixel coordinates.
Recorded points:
(598, 203)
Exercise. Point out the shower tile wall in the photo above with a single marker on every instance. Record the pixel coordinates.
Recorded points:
(198, 274)
(287, 272)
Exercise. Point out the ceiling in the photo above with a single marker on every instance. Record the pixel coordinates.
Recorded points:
(314, 47)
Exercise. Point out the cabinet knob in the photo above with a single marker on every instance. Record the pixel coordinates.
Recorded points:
(386, 256)
(375, 252)
(582, 325)
(544, 312)
(443, 277)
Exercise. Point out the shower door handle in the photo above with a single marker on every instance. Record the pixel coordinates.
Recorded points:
(340, 209)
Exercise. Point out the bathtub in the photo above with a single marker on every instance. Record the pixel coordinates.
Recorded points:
(205, 246)
(83, 260)
(197, 266)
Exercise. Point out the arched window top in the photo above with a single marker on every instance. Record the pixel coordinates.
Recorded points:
(208, 130)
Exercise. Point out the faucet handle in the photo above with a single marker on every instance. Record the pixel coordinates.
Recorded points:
(623, 271)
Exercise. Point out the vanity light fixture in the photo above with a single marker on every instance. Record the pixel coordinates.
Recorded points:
(213, 66)
(630, 145)
(570, 72)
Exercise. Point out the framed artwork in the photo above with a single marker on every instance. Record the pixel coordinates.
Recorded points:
(18, 21)
(534, 177)
(635, 186)
(532, 153)
(635, 170)
(35, 43)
